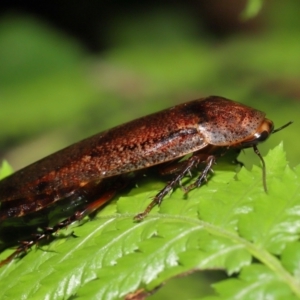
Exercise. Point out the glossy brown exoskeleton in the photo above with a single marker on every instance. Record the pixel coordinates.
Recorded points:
(94, 169)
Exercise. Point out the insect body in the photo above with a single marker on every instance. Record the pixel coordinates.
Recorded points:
(94, 169)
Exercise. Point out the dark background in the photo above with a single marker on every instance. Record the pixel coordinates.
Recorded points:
(87, 21)
(68, 70)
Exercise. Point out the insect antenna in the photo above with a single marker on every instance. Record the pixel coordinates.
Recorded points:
(263, 167)
(282, 127)
(261, 158)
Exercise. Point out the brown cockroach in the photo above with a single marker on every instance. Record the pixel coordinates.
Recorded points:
(93, 170)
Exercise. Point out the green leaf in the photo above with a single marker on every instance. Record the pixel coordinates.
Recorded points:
(229, 223)
(5, 169)
(255, 282)
(252, 9)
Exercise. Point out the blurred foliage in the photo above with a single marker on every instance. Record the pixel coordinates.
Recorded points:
(54, 92)
(252, 9)
(5, 169)
(49, 83)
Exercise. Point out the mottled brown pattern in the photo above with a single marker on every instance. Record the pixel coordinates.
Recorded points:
(148, 141)
(225, 123)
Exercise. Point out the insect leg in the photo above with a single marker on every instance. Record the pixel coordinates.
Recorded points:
(236, 161)
(187, 165)
(203, 176)
(173, 167)
(99, 200)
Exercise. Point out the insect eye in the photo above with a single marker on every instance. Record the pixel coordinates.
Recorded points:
(261, 136)
(258, 137)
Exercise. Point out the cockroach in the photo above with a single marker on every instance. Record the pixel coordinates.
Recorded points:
(93, 170)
